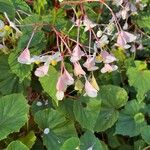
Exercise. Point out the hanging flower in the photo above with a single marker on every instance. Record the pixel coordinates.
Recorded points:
(108, 68)
(124, 38)
(90, 90)
(24, 57)
(90, 64)
(78, 69)
(107, 58)
(42, 71)
(67, 78)
(77, 54)
(88, 24)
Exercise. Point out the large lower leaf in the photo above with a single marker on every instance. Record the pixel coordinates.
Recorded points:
(113, 98)
(90, 142)
(49, 83)
(131, 120)
(13, 114)
(59, 128)
(86, 113)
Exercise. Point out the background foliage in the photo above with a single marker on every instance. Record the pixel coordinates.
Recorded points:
(31, 117)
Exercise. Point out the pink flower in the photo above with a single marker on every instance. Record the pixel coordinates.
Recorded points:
(61, 84)
(41, 71)
(90, 64)
(107, 58)
(77, 54)
(90, 90)
(64, 80)
(124, 38)
(88, 24)
(24, 57)
(108, 68)
(67, 78)
(78, 69)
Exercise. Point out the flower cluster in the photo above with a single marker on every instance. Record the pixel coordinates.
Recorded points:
(95, 55)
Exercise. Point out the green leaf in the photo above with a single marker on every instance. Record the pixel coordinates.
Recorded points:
(21, 5)
(131, 119)
(145, 133)
(71, 144)
(59, 127)
(13, 114)
(87, 115)
(29, 139)
(139, 78)
(21, 70)
(9, 83)
(17, 145)
(49, 83)
(88, 140)
(113, 98)
(7, 6)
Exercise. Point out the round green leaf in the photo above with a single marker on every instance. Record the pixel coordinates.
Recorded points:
(130, 120)
(87, 115)
(113, 98)
(13, 114)
(59, 128)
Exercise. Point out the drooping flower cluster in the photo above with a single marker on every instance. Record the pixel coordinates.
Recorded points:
(83, 61)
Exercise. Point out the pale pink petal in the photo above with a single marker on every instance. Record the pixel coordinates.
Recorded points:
(108, 68)
(41, 71)
(78, 69)
(88, 24)
(107, 58)
(77, 54)
(121, 40)
(60, 95)
(24, 57)
(90, 64)
(61, 85)
(128, 36)
(90, 90)
(68, 78)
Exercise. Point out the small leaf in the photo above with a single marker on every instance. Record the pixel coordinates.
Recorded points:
(29, 139)
(90, 142)
(145, 133)
(7, 6)
(21, 70)
(71, 144)
(49, 83)
(17, 145)
(139, 79)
